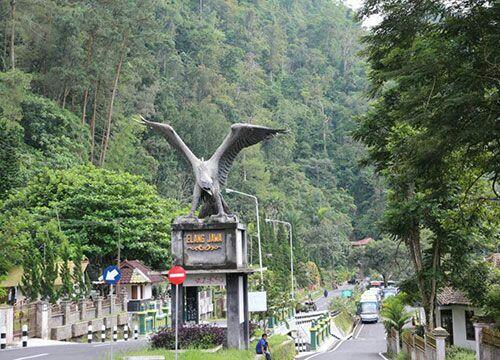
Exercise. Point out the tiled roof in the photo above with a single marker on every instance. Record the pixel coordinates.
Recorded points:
(450, 296)
(135, 272)
(494, 259)
(362, 242)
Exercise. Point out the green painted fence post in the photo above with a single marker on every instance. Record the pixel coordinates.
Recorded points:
(314, 339)
(142, 322)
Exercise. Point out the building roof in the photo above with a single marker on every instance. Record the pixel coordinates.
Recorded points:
(15, 275)
(494, 259)
(362, 242)
(450, 296)
(135, 272)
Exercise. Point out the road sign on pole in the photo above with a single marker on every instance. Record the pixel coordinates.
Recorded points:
(112, 274)
(176, 276)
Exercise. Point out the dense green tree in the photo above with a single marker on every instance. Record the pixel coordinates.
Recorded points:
(66, 289)
(431, 132)
(101, 209)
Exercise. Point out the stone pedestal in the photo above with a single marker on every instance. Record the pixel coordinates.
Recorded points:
(212, 252)
(479, 325)
(43, 314)
(66, 309)
(7, 322)
(82, 305)
(98, 307)
(440, 335)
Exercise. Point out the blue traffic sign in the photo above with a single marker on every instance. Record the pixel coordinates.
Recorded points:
(112, 274)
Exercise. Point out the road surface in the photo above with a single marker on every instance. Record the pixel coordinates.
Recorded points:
(323, 303)
(366, 344)
(94, 351)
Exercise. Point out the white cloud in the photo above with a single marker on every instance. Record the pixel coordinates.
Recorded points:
(367, 23)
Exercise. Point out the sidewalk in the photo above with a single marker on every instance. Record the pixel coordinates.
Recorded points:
(35, 342)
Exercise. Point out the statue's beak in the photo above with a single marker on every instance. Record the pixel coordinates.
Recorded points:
(209, 192)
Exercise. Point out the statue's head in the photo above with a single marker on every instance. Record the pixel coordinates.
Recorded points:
(205, 181)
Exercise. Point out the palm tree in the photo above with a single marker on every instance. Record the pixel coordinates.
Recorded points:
(394, 315)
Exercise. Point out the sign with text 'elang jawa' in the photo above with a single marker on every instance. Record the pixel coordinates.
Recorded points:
(205, 241)
(212, 245)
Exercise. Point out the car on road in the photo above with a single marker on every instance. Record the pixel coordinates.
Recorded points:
(389, 291)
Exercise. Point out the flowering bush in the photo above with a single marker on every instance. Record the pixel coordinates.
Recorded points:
(199, 337)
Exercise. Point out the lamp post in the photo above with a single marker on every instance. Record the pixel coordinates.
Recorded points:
(291, 249)
(229, 191)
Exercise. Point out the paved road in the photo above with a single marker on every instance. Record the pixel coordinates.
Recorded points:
(94, 351)
(323, 303)
(366, 344)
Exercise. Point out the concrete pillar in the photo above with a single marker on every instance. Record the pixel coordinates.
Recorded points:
(124, 298)
(112, 299)
(174, 307)
(98, 307)
(440, 335)
(66, 309)
(237, 311)
(7, 321)
(43, 315)
(478, 331)
(82, 305)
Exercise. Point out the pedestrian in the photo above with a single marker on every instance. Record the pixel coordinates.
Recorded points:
(325, 293)
(262, 347)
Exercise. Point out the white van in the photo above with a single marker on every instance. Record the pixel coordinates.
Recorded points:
(368, 308)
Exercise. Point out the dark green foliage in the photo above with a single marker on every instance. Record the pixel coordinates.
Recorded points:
(66, 289)
(31, 281)
(56, 133)
(99, 208)
(432, 133)
(10, 154)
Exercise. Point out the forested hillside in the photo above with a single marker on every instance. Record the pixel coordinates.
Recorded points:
(75, 74)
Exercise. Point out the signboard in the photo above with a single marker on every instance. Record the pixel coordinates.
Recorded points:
(346, 293)
(206, 247)
(257, 301)
(176, 275)
(112, 274)
(205, 280)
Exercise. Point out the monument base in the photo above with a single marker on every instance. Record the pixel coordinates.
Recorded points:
(213, 253)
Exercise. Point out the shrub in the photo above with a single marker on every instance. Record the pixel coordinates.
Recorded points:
(458, 353)
(198, 337)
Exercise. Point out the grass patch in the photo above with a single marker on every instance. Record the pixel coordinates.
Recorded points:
(343, 321)
(458, 353)
(275, 342)
(193, 354)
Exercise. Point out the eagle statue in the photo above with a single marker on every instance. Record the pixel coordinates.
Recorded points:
(211, 175)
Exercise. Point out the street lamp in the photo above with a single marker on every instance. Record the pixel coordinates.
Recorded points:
(291, 249)
(229, 191)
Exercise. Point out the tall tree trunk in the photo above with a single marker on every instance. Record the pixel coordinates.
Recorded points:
(13, 34)
(105, 140)
(86, 91)
(92, 122)
(65, 96)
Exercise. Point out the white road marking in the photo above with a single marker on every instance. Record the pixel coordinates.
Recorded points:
(32, 357)
(382, 356)
(360, 329)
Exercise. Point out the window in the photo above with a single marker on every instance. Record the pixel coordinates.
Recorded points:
(469, 326)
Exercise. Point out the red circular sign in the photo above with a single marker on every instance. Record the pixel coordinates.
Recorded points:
(176, 275)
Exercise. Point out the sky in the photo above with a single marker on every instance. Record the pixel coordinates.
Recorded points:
(371, 21)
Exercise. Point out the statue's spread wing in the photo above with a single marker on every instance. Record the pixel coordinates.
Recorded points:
(173, 139)
(240, 137)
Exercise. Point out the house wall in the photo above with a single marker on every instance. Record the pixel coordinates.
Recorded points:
(147, 291)
(458, 316)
